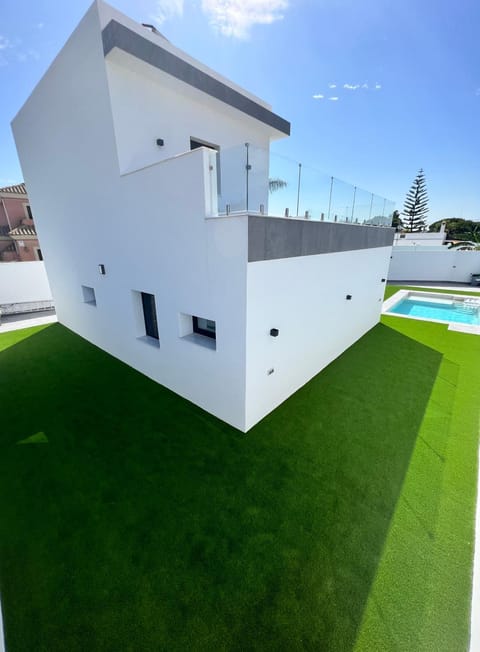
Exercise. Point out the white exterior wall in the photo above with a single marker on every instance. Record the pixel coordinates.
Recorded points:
(304, 298)
(148, 104)
(24, 282)
(451, 265)
(148, 228)
(109, 196)
(422, 239)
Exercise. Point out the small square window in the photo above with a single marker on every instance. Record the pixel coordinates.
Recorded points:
(89, 295)
(198, 330)
(205, 327)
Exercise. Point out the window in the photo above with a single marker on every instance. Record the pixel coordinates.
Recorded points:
(195, 144)
(150, 315)
(205, 327)
(29, 212)
(198, 330)
(89, 295)
(402, 235)
(39, 254)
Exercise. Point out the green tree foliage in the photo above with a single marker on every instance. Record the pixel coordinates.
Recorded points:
(415, 207)
(397, 220)
(458, 229)
(276, 184)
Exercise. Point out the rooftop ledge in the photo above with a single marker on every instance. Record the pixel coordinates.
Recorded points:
(271, 238)
(116, 35)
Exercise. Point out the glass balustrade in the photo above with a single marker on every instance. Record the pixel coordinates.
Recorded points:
(251, 179)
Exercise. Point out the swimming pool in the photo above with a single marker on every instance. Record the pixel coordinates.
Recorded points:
(429, 306)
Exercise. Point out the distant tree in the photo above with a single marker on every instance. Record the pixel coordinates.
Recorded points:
(415, 207)
(458, 229)
(469, 239)
(397, 221)
(276, 184)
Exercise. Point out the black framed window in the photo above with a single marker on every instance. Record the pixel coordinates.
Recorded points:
(29, 212)
(205, 327)
(150, 315)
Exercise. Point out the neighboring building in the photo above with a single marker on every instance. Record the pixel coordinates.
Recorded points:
(421, 238)
(145, 255)
(18, 237)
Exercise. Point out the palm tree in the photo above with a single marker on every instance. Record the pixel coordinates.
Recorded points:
(276, 184)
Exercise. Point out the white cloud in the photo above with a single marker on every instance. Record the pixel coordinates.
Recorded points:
(5, 43)
(333, 99)
(364, 85)
(237, 17)
(166, 9)
(318, 96)
(378, 86)
(351, 87)
(332, 86)
(27, 55)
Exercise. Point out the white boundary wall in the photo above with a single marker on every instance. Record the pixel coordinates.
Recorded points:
(24, 282)
(454, 266)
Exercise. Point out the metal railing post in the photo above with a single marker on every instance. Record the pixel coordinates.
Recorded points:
(330, 198)
(298, 188)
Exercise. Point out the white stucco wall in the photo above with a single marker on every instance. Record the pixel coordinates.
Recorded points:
(24, 282)
(102, 195)
(304, 298)
(450, 265)
(148, 228)
(424, 239)
(148, 104)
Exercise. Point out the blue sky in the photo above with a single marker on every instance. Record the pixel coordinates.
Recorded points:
(405, 75)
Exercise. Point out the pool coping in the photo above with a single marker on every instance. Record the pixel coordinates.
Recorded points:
(452, 326)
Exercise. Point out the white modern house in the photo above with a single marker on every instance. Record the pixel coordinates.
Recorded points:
(148, 176)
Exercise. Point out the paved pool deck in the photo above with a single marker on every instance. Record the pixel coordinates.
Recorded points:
(16, 322)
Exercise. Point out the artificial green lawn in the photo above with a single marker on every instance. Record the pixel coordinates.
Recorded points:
(343, 521)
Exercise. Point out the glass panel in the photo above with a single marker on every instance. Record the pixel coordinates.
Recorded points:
(258, 181)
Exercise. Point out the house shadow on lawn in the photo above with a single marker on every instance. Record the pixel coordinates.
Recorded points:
(147, 524)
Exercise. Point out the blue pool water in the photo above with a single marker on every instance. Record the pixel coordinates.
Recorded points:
(440, 311)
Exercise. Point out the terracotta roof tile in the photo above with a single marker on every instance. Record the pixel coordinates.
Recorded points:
(18, 189)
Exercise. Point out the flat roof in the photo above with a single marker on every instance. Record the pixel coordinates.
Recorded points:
(116, 35)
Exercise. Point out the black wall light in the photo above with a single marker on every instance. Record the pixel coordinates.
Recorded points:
(383, 280)
(274, 332)
(159, 142)
(348, 297)
(101, 269)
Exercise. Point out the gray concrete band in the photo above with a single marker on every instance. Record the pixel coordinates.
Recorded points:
(270, 238)
(119, 36)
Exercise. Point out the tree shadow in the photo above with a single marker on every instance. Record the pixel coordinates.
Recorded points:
(148, 523)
